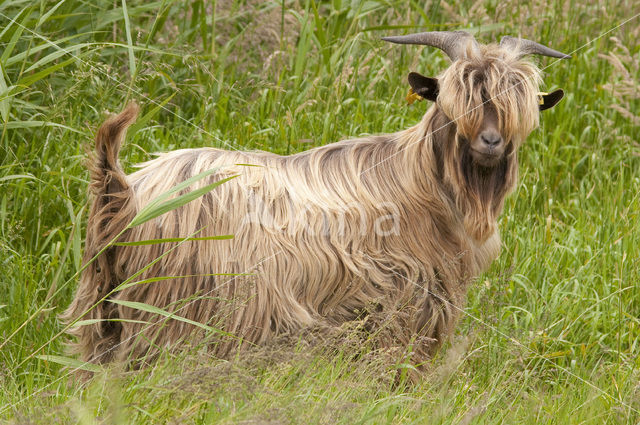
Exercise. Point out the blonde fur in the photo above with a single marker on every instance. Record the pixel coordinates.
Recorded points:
(397, 223)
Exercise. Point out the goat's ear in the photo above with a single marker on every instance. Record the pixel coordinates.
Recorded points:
(425, 87)
(549, 100)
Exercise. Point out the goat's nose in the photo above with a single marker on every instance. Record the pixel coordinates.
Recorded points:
(491, 138)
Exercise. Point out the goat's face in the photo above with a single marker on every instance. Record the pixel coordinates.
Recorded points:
(487, 146)
(492, 97)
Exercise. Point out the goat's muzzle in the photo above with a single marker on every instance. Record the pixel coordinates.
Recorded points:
(487, 148)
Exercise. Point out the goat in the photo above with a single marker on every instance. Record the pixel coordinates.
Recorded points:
(307, 249)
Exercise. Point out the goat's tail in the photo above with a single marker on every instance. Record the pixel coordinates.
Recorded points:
(112, 210)
(107, 175)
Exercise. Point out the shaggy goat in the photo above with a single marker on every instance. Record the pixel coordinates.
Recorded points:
(397, 224)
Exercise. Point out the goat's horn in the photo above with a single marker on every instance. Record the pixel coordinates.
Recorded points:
(528, 47)
(453, 43)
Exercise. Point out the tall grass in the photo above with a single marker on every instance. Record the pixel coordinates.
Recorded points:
(552, 330)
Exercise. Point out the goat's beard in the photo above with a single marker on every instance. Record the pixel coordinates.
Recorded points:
(478, 190)
(486, 182)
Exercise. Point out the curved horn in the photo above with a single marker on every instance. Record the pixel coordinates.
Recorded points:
(453, 43)
(528, 47)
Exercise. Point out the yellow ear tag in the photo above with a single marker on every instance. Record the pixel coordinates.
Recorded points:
(541, 97)
(412, 97)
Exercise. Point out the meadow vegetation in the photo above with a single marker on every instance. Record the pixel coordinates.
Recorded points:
(551, 333)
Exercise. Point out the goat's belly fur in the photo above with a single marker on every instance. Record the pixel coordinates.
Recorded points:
(311, 246)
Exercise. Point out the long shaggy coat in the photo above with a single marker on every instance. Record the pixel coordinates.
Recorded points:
(397, 223)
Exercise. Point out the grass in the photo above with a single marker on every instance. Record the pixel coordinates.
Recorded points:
(552, 330)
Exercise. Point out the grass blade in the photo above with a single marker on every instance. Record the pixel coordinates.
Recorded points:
(50, 12)
(126, 285)
(181, 186)
(165, 240)
(18, 177)
(77, 239)
(27, 124)
(16, 34)
(71, 363)
(34, 51)
(29, 80)
(127, 27)
(55, 55)
(4, 102)
(156, 209)
(157, 310)
(88, 322)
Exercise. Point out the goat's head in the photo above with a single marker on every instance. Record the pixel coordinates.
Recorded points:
(490, 92)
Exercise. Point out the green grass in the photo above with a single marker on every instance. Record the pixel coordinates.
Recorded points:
(552, 330)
